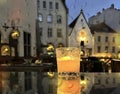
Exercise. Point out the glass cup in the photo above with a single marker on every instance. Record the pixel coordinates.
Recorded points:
(68, 59)
(68, 67)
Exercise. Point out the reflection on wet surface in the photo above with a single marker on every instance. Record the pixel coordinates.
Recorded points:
(33, 82)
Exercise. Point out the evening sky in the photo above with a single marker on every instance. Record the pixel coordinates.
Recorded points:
(90, 7)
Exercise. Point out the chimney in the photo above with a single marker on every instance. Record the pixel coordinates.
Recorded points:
(112, 6)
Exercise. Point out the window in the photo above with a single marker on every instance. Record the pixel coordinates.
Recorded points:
(40, 30)
(49, 18)
(38, 3)
(49, 32)
(44, 4)
(99, 38)
(27, 44)
(113, 49)
(59, 19)
(98, 49)
(113, 39)
(98, 81)
(106, 39)
(81, 20)
(114, 81)
(107, 80)
(57, 5)
(50, 5)
(40, 17)
(59, 33)
(28, 81)
(106, 48)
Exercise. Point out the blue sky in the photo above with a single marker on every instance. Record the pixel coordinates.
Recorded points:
(90, 7)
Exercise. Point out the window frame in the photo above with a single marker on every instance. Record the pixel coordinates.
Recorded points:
(98, 49)
(49, 18)
(99, 38)
(28, 80)
(41, 31)
(27, 44)
(106, 39)
(113, 49)
(50, 34)
(59, 33)
(50, 5)
(44, 5)
(56, 5)
(59, 19)
(40, 17)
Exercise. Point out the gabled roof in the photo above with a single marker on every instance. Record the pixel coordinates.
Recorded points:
(72, 24)
(101, 27)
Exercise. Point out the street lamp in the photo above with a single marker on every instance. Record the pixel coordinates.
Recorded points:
(15, 34)
(7, 48)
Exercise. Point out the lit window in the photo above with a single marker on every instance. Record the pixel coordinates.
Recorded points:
(106, 48)
(49, 18)
(59, 19)
(40, 17)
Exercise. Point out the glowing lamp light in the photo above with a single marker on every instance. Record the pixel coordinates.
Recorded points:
(15, 34)
(5, 50)
(83, 82)
(50, 74)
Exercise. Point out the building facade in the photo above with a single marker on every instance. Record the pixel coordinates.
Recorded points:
(113, 21)
(104, 39)
(51, 25)
(81, 36)
(106, 16)
(16, 16)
